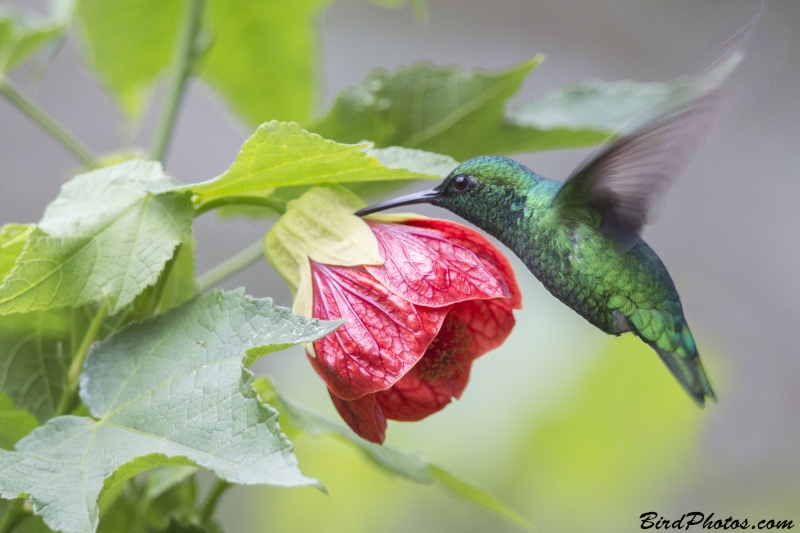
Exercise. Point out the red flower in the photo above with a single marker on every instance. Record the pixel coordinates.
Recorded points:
(443, 297)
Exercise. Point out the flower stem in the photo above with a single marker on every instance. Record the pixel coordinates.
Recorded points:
(231, 266)
(211, 502)
(47, 123)
(185, 55)
(70, 396)
(16, 513)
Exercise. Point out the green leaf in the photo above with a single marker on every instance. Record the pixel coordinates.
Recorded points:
(393, 157)
(175, 285)
(283, 154)
(409, 465)
(22, 33)
(165, 478)
(175, 503)
(320, 226)
(447, 110)
(596, 105)
(14, 423)
(107, 236)
(137, 510)
(12, 241)
(35, 350)
(181, 286)
(130, 42)
(262, 57)
(171, 390)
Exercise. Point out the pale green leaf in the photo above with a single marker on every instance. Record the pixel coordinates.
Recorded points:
(12, 241)
(107, 236)
(620, 106)
(596, 105)
(171, 390)
(130, 42)
(447, 110)
(14, 423)
(22, 33)
(426, 163)
(283, 154)
(414, 160)
(406, 464)
(262, 57)
(319, 226)
(35, 350)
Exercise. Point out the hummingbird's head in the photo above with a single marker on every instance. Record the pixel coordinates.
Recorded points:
(473, 189)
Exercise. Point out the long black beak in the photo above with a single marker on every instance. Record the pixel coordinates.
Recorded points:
(423, 197)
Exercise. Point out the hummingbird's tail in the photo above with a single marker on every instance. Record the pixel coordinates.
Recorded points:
(675, 345)
(690, 373)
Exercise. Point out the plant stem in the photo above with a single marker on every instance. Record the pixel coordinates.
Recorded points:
(185, 55)
(279, 206)
(47, 123)
(70, 395)
(231, 266)
(211, 502)
(16, 513)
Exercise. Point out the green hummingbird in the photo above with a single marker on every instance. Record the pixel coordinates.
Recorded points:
(581, 238)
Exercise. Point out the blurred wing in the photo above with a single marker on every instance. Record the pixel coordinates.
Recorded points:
(622, 182)
(617, 187)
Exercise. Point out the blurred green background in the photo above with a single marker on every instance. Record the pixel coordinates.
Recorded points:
(576, 430)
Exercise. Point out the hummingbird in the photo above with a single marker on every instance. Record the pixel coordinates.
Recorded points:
(582, 238)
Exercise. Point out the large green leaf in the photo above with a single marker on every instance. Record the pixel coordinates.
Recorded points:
(262, 57)
(107, 236)
(297, 418)
(596, 105)
(14, 423)
(130, 42)
(420, 161)
(447, 110)
(283, 154)
(22, 33)
(169, 390)
(35, 350)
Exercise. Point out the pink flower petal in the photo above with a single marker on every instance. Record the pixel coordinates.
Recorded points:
(426, 266)
(440, 375)
(483, 247)
(489, 323)
(470, 330)
(383, 337)
(363, 415)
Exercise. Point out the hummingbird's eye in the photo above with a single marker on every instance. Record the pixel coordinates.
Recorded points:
(461, 183)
